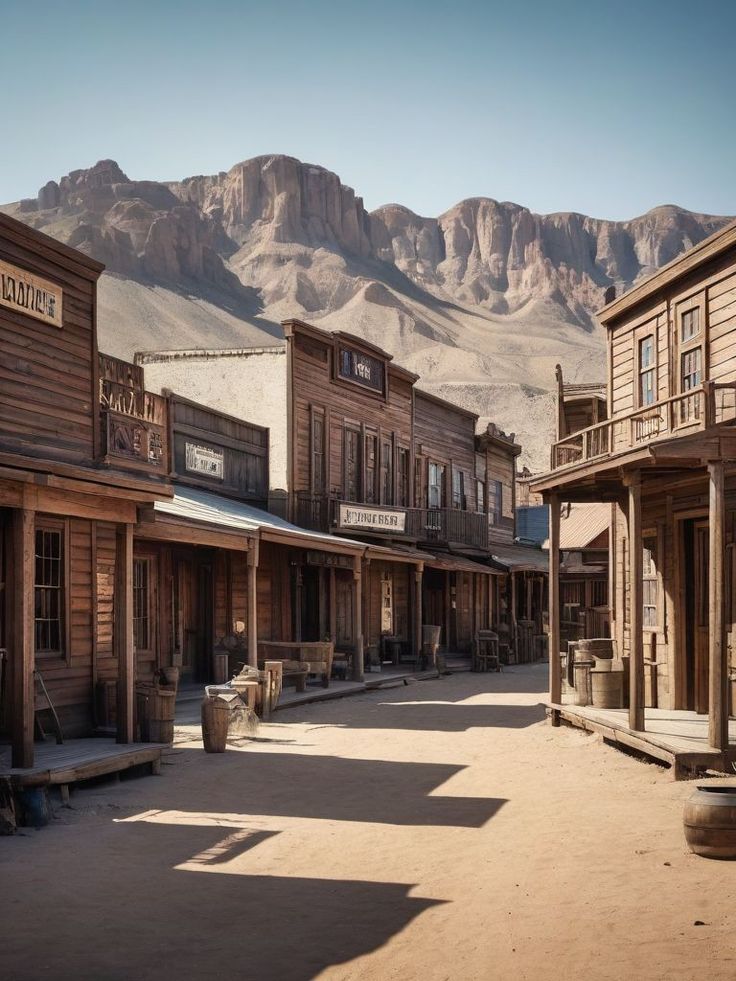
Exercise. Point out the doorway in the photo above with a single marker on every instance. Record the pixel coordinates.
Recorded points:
(696, 554)
(193, 610)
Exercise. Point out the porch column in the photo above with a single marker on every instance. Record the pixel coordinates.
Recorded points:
(333, 606)
(491, 591)
(253, 605)
(358, 666)
(717, 650)
(514, 632)
(418, 580)
(123, 634)
(555, 668)
(636, 597)
(21, 651)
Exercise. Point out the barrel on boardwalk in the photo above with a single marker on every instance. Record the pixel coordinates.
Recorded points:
(606, 688)
(156, 710)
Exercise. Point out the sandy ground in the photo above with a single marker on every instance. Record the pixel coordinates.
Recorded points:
(435, 831)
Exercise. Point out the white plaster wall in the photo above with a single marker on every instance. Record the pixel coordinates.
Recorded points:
(250, 385)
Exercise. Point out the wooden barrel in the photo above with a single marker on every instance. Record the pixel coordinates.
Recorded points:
(215, 722)
(606, 688)
(582, 682)
(161, 715)
(710, 822)
(596, 647)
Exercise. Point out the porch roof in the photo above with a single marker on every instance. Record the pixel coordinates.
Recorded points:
(457, 563)
(519, 558)
(203, 507)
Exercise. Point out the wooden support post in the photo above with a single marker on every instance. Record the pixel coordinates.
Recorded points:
(124, 632)
(333, 606)
(491, 591)
(418, 580)
(555, 666)
(358, 665)
(717, 651)
(22, 651)
(514, 630)
(636, 606)
(448, 613)
(253, 605)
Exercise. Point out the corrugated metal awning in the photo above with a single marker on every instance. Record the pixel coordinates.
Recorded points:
(520, 558)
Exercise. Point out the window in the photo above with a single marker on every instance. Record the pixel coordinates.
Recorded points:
(351, 464)
(480, 496)
(495, 501)
(387, 490)
(458, 489)
(141, 606)
(370, 469)
(436, 485)
(692, 373)
(318, 452)
(689, 324)
(402, 477)
(49, 590)
(650, 582)
(646, 371)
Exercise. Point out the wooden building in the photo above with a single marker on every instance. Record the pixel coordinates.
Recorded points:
(76, 461)
(663, 458)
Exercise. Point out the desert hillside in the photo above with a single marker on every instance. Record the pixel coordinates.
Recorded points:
(481, 301)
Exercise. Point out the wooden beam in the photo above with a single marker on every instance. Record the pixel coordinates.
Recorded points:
(22, 650)
(333, 606)
(717, 651)
(555, 666)
(636, 605)
(253, 606)
(123, 636)
(418, 585)
(358, 663)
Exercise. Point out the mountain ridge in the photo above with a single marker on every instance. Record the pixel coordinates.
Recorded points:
(481, 301)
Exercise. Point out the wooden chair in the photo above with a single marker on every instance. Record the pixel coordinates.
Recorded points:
(486, 652)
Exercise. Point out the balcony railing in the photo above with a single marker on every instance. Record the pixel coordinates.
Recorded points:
(438, 526)
(700, 408)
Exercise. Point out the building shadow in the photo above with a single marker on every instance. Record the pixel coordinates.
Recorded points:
(303, 785)
(129, 911)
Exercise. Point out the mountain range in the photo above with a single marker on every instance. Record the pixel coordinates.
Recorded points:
(481, 301)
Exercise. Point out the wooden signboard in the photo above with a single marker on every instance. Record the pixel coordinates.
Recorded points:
(31, 295)
(361, 516)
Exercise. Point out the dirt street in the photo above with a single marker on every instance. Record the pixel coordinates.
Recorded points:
(440, 830)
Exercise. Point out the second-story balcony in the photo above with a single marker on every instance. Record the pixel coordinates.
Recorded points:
(423, 526)
(701, 408)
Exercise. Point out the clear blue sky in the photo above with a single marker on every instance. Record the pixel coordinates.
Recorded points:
(607, 108)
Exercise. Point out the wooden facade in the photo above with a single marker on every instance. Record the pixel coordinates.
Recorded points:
(69, 491)
(663, 459)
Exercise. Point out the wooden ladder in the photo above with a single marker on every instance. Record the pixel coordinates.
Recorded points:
(43, 703)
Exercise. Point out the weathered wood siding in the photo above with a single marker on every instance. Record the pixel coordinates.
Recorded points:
(47, 375)
(445, 435)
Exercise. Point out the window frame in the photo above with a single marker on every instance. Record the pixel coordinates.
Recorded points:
(459, 499)
(317, 413)
(47, 523)
(145, 560)
(441, 470)
(403, 488)
(494, 514)
(349, 430)
(650, 369)
(655, 535)
(685, 347)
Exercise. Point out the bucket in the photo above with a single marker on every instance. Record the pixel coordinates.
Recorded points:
(607, 688)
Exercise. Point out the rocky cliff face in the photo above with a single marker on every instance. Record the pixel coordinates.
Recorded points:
(487, 293)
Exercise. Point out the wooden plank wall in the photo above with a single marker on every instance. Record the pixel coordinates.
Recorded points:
(445, 436)
(46, 373)
(502, 466)
(401, 577)
(314, 385)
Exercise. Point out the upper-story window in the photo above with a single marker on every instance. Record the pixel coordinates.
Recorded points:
(351, 450)
(318, 452)
(480, 496)
(49, 588)
(370, 469)
(646, 371)
(458, 489)
(402, 477)
(495, 501)
(386, 472)
(436, 485)
(692, 369)
(689, 324)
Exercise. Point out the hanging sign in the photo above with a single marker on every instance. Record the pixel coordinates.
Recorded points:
(204, 459)
(371, 519)
(29, 294)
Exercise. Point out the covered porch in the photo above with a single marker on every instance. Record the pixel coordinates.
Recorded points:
(671, 594)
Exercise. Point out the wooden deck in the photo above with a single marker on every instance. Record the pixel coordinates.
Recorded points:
(79, 759)
(677, 739)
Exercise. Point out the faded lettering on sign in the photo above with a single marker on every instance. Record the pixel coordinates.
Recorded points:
(29, 294)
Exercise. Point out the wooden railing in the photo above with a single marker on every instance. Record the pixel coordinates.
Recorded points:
(424, 525)
(708, 405)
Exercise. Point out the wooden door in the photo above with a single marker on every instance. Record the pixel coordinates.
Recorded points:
(344, 611)
(700, 583)
(185, 634)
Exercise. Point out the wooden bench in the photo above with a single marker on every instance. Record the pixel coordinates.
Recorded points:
(299, 658)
